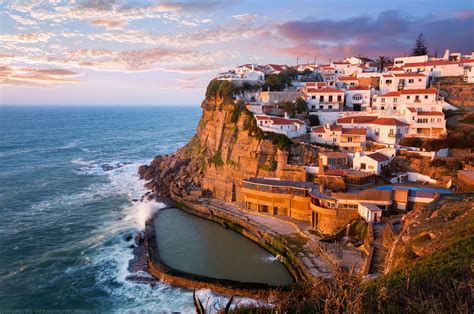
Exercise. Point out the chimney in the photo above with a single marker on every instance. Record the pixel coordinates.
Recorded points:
(253, 67)
(327, 125)
(286, 115)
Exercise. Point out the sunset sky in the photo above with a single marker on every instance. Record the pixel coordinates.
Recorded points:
(165, 52)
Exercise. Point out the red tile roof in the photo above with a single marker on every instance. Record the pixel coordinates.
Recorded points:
(409, 75)
(418, 91)
(354, 131)
(359, 87)
(391, 94)
(411, 109)
(388, 121)
(327, 90)
(318, 129)
(466, 60)
(430, 113)
(357, 119)
(347, 78)
(428, 63)
(378, 157)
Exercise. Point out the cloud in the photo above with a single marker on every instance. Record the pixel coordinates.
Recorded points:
(389, 33)
(108, 23)
(17, 76)
(26, 38)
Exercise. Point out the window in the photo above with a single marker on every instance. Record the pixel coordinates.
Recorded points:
(382, 108)
(321, 107)
(417, 98)
(395, 99)
(330, 107)
(339, 98)
(362, 166)
(313, 97)
(394, 107)
(349, 139)
(382, 99)
(439, 119)
(330, 97)
(408, 97)
(411, 81)
(321, 98)
(334, 140)
(426, 96)
(388, 81)
(320, 135)
(432, 120)
(419, 80)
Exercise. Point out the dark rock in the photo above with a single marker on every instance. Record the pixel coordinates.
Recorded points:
(128, 237)
(132, 246)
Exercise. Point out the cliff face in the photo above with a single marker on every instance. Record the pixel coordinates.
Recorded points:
(225, 150)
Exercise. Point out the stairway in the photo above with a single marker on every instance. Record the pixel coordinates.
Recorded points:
(379, 256)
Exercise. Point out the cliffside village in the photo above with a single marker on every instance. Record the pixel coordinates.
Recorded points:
(364, 111)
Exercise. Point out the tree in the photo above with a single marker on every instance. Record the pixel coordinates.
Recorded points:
(420, 48)
(301, 105)
(381, 62)
(314, 120)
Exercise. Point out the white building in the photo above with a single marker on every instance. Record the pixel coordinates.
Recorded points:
(370, 212)
(347, 139)
(393, 82)
(346, 81)
(289, 127)
(324, 99)
(469, 74)
(357, 98)
(428, 124)
(436, 68)
(246, 73)
(371, 162)
(400, 61)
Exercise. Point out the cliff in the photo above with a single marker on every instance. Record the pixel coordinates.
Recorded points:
(227, 147)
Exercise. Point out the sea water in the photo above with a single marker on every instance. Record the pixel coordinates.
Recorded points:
(68, 181)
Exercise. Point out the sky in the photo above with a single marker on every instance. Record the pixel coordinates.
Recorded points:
(112, 52)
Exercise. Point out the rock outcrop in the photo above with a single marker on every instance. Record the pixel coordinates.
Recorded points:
(226, 148)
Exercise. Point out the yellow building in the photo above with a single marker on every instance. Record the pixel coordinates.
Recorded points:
(278, 197)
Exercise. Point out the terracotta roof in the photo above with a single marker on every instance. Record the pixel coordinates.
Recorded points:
(411, 109)
(318, 129)
(341, 62)
(336, 128)
(388, 121)
(359, 87)
(357, 119)
(466, 60)
(378, 157)
(329, 90)
(347, 78)
(428, 63)
(355, 131)
(418, 91)
(262, 117)
(390, 94)
(409, 75)
(430, 113)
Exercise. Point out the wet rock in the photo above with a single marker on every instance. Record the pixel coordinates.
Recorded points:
(128, 237)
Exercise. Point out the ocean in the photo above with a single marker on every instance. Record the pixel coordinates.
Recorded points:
(67, 181)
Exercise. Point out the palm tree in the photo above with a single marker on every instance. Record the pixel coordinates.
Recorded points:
(381, 62)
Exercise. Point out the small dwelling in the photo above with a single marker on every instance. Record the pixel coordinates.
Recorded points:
(372, 162)
(289, 127)
(370, 212)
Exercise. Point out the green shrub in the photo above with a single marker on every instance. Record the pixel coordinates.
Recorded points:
(216, 159)
(220, 88)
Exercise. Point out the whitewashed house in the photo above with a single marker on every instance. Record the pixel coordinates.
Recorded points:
(400, 61)
(289, 127)
(324, 99)
(436, 68)
(370, 162)
(347, 139)
(392, 82)
(427, 124)
(346, 81)
(357, 98)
